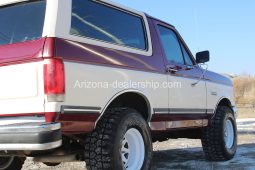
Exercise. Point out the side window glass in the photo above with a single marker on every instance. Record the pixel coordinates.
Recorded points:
(100, 22)
(187, 58)
(171, 45)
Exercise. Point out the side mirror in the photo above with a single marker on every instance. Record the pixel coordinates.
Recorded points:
(203, 57)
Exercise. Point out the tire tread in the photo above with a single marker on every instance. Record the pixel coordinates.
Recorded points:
(98, 145)
(212, 140)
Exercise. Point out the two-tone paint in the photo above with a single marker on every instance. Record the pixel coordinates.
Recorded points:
(22, 93)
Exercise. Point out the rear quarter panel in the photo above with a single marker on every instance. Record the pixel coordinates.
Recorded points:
(91, 64)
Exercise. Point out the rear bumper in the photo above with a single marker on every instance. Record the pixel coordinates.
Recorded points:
(30, 136)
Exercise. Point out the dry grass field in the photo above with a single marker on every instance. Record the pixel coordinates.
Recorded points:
(244, 87)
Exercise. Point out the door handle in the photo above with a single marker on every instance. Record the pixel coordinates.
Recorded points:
(171, 70)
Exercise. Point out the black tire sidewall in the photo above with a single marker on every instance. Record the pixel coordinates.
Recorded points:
(128, 121)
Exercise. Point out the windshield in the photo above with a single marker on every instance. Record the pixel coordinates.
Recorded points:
(21, 22)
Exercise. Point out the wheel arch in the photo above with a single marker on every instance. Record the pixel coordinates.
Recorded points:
(134, 96)
(224, 101)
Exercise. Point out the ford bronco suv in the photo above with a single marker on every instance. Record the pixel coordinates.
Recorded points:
(90, 80)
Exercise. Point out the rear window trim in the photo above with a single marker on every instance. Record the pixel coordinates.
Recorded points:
(146, 39)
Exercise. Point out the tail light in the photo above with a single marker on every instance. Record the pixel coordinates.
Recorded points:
(54, 79)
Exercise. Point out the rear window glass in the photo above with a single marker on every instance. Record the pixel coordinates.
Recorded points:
(21, 22)
(97, 21)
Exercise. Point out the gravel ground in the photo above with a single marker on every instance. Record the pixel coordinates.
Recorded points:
(180, 154)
